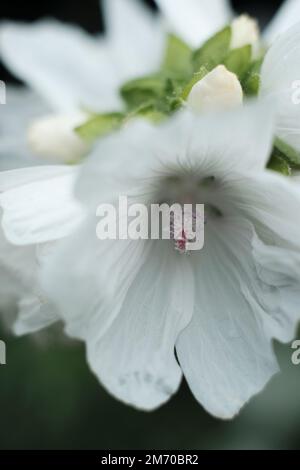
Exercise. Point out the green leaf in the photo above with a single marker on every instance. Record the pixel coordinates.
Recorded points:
(292, 156)
(172, 97)
(149, 112)
(142, 90)
(178, 57)
(99, 126)
(278, 164)
(214, 51)
(251, 81)
(195, 79)
(238, 61)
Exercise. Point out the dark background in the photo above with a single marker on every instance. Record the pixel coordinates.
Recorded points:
(50, 400)
(87, 14)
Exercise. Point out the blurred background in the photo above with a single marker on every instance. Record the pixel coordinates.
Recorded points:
(50, 400)
(88, 15)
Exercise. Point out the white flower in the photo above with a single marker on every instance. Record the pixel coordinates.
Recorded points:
(22, 302)
(133, 302)
(245, 31)
(43, 197)
(219, 89)
(16, 263)
(21, 108)
(280, 72)
(287, 16)
(72, 70)
(54, 137)
(195, 20)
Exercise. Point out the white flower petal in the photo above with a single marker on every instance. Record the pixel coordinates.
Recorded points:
(287, 16)
(13, 178)
(135, 358)
(271, 201)
(238, 140)
(225, 354)
(116, 162)
(21, 107)
(17, 265)
(135, 38)
(38, 210)
(196, 20)
(245, 31)
(224, 142)
(218, 90)
(129, 310)
(34, 315)
(19, 287)
(108, 267)
(279, 269)
(69, 68)
(242, 139)
(280, 80)
(53, 137)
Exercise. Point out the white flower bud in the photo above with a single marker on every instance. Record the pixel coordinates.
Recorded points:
(219, 89)
(53, 137)
(245, 31)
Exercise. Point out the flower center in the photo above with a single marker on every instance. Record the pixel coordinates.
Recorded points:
(197, 202)
(186, 226)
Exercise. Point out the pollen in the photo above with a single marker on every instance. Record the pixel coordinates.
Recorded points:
(180, 243)
(182, 228)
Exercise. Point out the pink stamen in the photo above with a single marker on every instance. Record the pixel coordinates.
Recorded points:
(180, 243)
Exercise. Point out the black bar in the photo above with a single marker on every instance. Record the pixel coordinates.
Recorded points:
(136, 459)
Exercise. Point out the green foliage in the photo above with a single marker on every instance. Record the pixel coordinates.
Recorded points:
(157, 96)
(147, 111)
(178, 58)
(292, 156)
(279, 164)
(99, 126)
(142, 90)
(159, 92)
(251, 81)
(214, 51)
(195, 79)
(238, 61)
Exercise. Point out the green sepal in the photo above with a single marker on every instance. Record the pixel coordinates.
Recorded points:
(195, 79)
(178, 58)
(214, 51)
(172, 100)
(99, 126)
(251, 80)
(238, 61)
(147, 111)
(142, 90)
(291, 155)
(278, 164)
